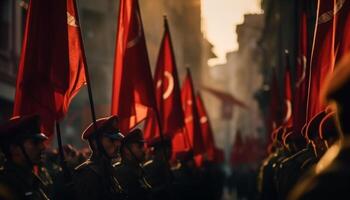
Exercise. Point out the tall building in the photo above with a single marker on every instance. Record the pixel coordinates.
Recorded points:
(240, 76)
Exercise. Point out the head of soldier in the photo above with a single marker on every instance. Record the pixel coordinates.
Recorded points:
(161, 147)
(336, 93)
(104, 138)
(22, 141)
(133, 147)
(312, 134)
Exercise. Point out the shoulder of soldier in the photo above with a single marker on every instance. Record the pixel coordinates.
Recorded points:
(293, 157)
(87, 167)
(148, 163)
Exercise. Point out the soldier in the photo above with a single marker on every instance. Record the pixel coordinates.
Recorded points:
(129, 170)
(266, 177)
(95, 179)
(157, 169)
(22, 143)
(330, 178)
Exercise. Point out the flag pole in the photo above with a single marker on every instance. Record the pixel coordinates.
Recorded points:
(86, 69)
(88, 83)
(63, 163)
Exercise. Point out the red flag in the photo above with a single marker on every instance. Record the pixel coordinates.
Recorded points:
(274, 118)
(322, 55)
(302, 71)
(191, 115)
(133, 92)
(342, 29)
(167, 90)
(207, 132)
(287, 119)
(51, 69)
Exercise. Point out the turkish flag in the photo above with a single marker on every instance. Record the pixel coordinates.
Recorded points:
(51, 69)
(167, 90)
(342, 38)
(207, 131)
(288, 118)
(274, 119)
(192, 122)
(133, 92)
(302, 69)
(322, 56)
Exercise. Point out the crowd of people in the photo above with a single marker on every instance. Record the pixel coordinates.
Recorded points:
(312, 164)
(113, 167)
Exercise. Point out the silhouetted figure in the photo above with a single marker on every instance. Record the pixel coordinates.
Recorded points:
(22, 143)
(95, 178)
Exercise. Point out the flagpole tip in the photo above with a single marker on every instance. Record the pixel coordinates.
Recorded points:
(165, 20)
(286, 51)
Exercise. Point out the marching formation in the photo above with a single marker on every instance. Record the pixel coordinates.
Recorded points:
(309, 126)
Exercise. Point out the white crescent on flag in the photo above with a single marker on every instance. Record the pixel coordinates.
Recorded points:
(328, 15)
(138, 36)
(170, 87)
(71, 21)
(302, 61)
(289, 110)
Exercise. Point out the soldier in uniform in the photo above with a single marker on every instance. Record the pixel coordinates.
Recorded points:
(266, 177)
(95, 178)
(129, 170)
(157, 169)
(330, 179)
(22, 143)
(294, 167)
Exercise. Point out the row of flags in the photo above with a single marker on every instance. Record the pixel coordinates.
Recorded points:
(315, 61)
(53, 68)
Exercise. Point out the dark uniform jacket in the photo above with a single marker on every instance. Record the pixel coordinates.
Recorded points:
(158, 175)
(132, 180)
(329, 179)
(95, 180)
(292, 168)
(18, 182)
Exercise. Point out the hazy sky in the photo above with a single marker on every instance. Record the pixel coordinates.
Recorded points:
(219, 20)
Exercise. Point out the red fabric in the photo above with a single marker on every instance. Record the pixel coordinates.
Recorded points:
(167, 90)
(302, 71)
(342, 29)
(133, 92)
(192, 123)
(323, 57)
(51, 69)
(287, 111)
(207, 131)
(274, 119)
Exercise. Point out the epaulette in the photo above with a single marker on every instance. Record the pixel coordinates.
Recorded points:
(116, 164)
(82, 165)
(147, 163)
(176, 167)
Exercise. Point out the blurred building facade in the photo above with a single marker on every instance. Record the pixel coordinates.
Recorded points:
(240, 76)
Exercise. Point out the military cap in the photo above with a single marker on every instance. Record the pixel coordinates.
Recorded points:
(19, 128)
(312, 129)
(135, 136)
(277, 134)
(184, 155)
(107, 126)
(303, 130)
(158, 142)
(327, 128)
